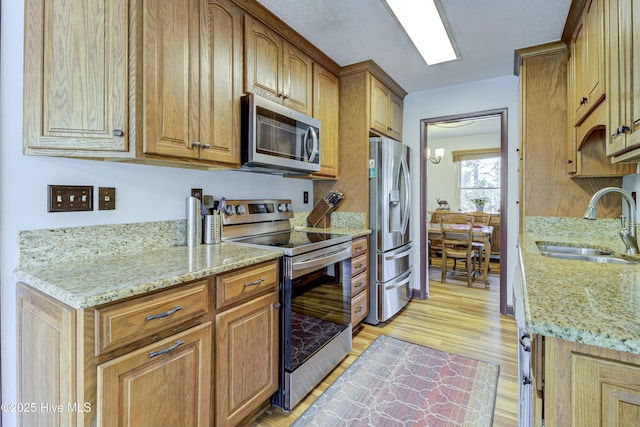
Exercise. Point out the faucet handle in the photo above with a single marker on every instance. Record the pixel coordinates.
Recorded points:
(623, 220)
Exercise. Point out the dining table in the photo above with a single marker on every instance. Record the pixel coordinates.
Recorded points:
(481, 234)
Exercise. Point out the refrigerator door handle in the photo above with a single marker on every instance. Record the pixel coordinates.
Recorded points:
(407, 194)
(398, 255)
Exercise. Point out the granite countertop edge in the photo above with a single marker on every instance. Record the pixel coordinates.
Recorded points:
(112, 278)
(603, 310)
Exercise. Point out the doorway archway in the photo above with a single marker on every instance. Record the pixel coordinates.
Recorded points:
(424, 123)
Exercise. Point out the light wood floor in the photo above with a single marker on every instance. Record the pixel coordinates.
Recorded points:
(456, 319)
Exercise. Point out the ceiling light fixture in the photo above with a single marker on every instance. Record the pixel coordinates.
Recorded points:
(425, 27)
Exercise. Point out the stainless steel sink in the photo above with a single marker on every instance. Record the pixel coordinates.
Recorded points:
(581, 253)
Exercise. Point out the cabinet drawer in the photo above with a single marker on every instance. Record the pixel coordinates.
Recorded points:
(129, 321)
(359, 283)
(240, 285)
(359, 264)
(359, 307)
(359, 246)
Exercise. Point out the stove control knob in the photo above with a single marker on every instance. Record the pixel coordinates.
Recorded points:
(240, 209)
(229, 210)
(289, 207)
(282, 207)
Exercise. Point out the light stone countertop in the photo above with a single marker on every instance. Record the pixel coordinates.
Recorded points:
(580, 301)
(93, 265)
(94, 281)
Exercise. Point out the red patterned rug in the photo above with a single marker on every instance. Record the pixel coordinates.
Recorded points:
(397, 383)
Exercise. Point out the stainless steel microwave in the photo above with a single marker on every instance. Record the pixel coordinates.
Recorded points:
(276, 139)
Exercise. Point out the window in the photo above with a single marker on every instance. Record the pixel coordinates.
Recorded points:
(479, 179)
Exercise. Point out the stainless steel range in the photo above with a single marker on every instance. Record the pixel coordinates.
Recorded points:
(315, 291)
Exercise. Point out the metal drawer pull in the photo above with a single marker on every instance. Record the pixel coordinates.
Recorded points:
(359, 309)
(359, 266)
(254, 283)
(359, 285)
(165, 314)
(166, 350)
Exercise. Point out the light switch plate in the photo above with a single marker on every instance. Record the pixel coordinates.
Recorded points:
(69, 198)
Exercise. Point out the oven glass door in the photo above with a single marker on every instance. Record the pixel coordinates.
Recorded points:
(317, 307)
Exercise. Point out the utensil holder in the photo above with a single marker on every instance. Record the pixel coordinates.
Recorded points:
(211, 228)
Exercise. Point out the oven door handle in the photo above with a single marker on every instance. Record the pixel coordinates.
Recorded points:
(322, 261)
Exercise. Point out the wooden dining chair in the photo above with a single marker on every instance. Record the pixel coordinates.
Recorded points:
(480, 218)
(457, 245)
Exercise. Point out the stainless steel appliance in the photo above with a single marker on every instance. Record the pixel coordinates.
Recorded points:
(525, 386)
(389, 214)
(315, 291)
(277, 139)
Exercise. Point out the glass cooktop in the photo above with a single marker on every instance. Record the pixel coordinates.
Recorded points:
(294, 242)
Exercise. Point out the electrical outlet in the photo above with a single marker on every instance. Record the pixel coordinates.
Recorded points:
(106, 198)
(69, 198)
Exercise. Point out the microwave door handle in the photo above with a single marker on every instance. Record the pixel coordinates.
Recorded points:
(314, 139)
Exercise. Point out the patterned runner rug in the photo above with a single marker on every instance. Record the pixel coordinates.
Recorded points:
(397, 383)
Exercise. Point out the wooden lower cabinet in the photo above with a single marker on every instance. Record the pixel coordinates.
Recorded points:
(167, 383)
(589, 386)
(359, 281)
(150, 360)
(246, 358)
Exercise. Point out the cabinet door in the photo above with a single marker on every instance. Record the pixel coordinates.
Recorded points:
(263, 59)
(395, 117)
(326, 106)
(605, 390)
(221, 87)
(380, 101)
(589, 61)
(246, 358)
(75, 77)
(164, 384)
(171, 77)
(624, 77)
(46, 358)
(297, 79)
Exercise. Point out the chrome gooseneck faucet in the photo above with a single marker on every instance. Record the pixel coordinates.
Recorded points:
(628, 235)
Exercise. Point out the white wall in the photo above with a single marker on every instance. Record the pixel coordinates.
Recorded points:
(473, 97)
(442, 179)
(144, 193)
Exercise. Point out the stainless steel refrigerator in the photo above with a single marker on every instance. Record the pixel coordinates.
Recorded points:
(390, 262)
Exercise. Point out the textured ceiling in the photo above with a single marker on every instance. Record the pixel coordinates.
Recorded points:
(486, 33)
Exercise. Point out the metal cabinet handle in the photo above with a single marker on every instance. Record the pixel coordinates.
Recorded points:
(117, 132)
(196, 144)
(526, 380)
(166, 350)
(359, 285)
(254, 283)
(277, 305)
(358, 266)
(359, 309)
(525, 346)
(206, 146)
(165, 314)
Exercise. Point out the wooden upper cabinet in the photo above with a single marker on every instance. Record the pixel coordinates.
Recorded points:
(191, 79)
(275, 69)
(75, 78)
(386, 110)
(588, 55)
(326, 106)
(624, 104)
